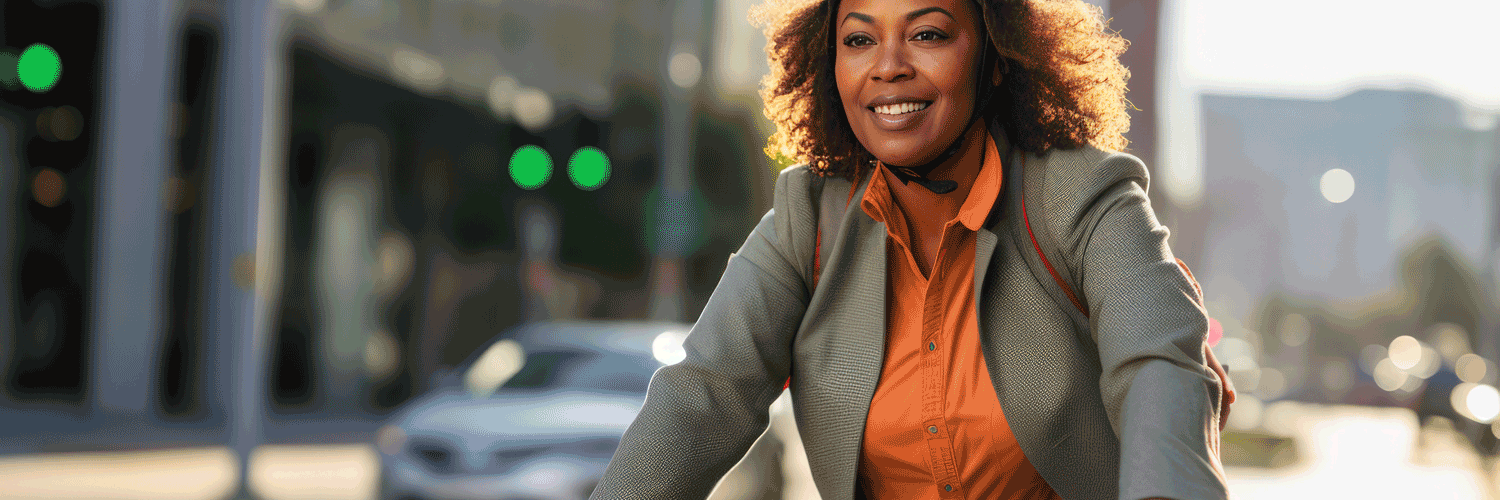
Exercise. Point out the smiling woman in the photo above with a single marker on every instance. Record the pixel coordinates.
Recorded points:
(1056, 79)
(943, 338)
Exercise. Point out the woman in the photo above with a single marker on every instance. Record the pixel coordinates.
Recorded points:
(935, 355)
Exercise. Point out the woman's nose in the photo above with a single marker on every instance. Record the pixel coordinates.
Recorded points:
(891, 64)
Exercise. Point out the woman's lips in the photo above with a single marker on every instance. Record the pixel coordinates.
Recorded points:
(898, 122)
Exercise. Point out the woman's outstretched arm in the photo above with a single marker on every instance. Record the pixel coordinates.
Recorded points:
(702, 414)
(1150, 328)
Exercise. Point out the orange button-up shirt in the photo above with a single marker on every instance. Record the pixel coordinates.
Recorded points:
(935, 427)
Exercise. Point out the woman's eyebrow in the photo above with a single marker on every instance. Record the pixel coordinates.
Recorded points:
(863, 17)
(922, 12)
(909, 17)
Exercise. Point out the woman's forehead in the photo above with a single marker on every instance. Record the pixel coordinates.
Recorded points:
(900, 10)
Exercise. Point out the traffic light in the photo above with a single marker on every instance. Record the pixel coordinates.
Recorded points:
(50, 61)
(531, 167)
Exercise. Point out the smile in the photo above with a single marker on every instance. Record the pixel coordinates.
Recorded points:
(900, 108)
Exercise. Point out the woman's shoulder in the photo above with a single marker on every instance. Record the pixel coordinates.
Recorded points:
(1085, 171)
(796, 186)
(799, 187)
(1069, 185)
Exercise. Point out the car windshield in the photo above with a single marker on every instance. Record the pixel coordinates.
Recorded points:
(583, 370)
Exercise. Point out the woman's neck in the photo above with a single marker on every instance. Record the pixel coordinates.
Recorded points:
(963, 167)
(926, 213)
(971, 152)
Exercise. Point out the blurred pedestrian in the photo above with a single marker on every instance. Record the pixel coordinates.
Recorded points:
(946, 337)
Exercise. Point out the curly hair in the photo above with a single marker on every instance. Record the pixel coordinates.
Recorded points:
(1063, 85)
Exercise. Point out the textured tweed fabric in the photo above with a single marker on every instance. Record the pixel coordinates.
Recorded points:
(1118, 405)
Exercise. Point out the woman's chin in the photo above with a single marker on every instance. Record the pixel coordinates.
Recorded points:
(906, 158)
(905, 150)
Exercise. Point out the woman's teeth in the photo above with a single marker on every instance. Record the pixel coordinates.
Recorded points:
(896, 109)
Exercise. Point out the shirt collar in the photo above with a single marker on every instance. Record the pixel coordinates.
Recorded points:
(986, 188)
(877, 201)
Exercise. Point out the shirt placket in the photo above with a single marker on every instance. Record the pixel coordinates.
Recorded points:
(934, 377)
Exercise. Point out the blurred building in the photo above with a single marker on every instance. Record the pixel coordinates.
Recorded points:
(396, 215)
(1426, 185)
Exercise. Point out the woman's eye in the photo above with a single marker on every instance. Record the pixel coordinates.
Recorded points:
(929, 35)
(857, 40)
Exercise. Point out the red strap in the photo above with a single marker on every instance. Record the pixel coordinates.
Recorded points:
(1066, 289)
(1191, 279)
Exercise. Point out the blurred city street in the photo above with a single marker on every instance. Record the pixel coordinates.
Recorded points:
(1345, 452)
(401, 249)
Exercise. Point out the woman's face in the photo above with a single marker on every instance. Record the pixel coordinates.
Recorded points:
(906, 71)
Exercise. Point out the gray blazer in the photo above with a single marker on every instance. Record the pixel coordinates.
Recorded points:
(1119, 404)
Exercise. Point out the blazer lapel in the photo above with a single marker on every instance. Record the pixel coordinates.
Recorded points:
(984, 244)
(839, 351)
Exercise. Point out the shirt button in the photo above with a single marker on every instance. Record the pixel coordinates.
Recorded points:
(931, 346)
(948, 487)
(932, 429)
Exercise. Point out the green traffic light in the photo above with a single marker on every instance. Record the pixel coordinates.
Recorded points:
(588, 168)
(530, 167)
(39, 67)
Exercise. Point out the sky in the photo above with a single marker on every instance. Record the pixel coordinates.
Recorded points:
(1319, 49)
(1327, 47)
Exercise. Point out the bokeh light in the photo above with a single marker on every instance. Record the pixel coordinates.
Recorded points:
(1471, 368)
(685, 69)
(588, 168)
(1450, 340)
(533, 109)
(667, 347)
(499, 362)
(1428, 364)
(394, 258)
(1272, 384)
(1483, 401)
(1411, 385)
(1295, 329)
(530, 167)
(48, 187)
(1337, 185)
(502, 96)
(1387, 376)
(382, 355)
(1405, 352)
(67, 123)
(39, 68)
(1246, 413)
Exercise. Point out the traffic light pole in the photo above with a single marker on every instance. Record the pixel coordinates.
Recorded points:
(245, 204)
(131, 219)
(683, 33)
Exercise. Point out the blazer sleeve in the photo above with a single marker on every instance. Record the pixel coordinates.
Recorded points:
(703, 413)
(1150, 329)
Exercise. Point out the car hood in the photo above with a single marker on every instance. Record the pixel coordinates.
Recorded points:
(520, 417)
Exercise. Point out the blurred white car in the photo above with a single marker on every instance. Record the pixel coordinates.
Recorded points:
(534, 415)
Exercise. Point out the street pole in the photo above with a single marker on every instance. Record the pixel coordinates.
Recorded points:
(131, 223)
(681, 72)
(242, 275)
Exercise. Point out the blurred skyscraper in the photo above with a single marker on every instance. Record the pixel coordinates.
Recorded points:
(1423, 167)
